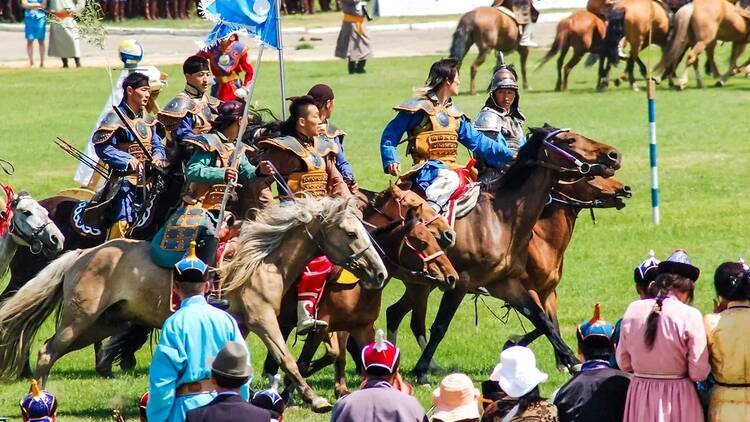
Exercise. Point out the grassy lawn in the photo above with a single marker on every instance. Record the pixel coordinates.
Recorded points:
(702, 173)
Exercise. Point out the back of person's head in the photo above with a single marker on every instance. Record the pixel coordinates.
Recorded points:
(645, 273)
(190, 272)
(444, 70)
(228, 113)
(229, 368)
(456, 399)
(732, 281)
(270, 400)
(381, 358)
(321, 94)
(595, 337)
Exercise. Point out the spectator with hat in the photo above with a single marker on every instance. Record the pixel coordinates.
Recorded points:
(519, 378)
(180, 377)
(729, 350)
(230, 370)
(663, 342)
(272, 401)
(38, 405)
(378, 400)
(455, 400)
(597, 392)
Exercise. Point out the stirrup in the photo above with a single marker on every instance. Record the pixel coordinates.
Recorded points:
(310, 324)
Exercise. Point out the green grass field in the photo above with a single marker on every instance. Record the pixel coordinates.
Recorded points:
(703, 145)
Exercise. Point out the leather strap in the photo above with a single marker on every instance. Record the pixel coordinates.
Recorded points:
(198, 387)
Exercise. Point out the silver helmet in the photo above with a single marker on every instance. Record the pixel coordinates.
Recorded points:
(504, 78)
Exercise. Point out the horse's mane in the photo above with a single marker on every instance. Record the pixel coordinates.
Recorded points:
(520, 169)
(261, 236)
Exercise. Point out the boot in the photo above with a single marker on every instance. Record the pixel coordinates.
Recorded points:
(65, 62)
(305, 319)
(360, 68)
(526, 36)
(118, 230)
(352, 67)
(78, 61)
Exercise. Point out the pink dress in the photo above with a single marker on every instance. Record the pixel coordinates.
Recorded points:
(663, 389)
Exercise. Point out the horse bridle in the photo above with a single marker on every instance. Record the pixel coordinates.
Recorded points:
(581, 167)
(349, 263)
(28, 238)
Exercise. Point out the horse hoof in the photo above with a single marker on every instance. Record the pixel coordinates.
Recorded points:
(422, 379)
(719, 84)
(321, 405)
(127, 362)
(634, 87)
(601, 88)
(435, 369)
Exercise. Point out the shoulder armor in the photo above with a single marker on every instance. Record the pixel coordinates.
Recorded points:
(327, 146)
(288, 143)
(206, 141)
(239, 47)
(489, 119)
(332, 131)
(178, 107)
(213, 102)
(416, 104)
(454, 111)
(109, 124)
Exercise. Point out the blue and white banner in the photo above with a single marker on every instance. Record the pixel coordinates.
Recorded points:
(257, 18)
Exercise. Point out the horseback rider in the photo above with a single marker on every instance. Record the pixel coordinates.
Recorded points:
(228, 59)
(306, 161)
(190, 113)
(323, 96)
(526, 16)
(206, 173)
(434, 128)
(124, 142)
(500, 118)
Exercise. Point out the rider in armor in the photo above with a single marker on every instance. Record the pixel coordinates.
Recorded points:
(500, 117)
(228, 59)
(307, 162)
(190, 113)
(124, 142)
(323, 97)
(434, 127)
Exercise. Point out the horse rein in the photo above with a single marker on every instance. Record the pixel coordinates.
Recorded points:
(24, 238)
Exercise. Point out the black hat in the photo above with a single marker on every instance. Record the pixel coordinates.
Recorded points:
(194, 64)
(679, 263)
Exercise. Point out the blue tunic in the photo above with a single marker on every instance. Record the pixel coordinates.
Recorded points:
(493, 152)
(35, 21)
(123, 205)
(192, 335)
(342, 164)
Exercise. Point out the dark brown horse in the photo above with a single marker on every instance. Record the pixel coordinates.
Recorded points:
(490, 29)
(551, 235)
(582, 31)
(492, 244)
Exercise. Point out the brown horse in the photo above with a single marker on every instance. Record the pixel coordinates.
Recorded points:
(642, 23)
(701, 25)
(583, 31)
(492, 244)
(102, 290)
(490, 29)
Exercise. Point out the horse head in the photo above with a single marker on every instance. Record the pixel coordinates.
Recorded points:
(577, 155)
(592, 192)
(345, 241)
(406, 200)
(30, 224)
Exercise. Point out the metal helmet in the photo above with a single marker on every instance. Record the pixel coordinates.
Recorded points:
(504, 78)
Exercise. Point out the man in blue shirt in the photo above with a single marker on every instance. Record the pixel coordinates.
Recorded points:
(179, 377)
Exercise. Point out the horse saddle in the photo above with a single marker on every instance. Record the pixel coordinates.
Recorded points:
(508, 12)
(93, 215)
(81, 226)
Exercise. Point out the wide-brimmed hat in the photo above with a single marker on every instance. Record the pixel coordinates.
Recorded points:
(679, 263)
(455, 399)
(517, 373)
(231, 362)
(646, 272)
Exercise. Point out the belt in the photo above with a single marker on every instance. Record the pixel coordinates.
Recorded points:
(62, 15)
(196, 387)
(661, 376)
(228, 78)
(724, 384)
(358, 22)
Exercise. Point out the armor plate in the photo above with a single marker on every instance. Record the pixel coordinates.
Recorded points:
(205, 196)
(491, 120)
(314, 180)
(203, 110)
(436, 137)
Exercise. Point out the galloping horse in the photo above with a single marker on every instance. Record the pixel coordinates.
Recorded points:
(641, 22)
(490, 29)
(700, 25)
(583, 31)
(104, 289)
(492, 245)
(551, 235)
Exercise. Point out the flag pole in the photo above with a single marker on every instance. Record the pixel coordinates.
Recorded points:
(236, 155)
(281, 60)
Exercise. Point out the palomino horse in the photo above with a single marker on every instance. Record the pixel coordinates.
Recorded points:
(490, 29)
(641, 22)
(102, 290)
(700, 25)
(583, 31)
(25, 223)
(550, 238)
(492, 245)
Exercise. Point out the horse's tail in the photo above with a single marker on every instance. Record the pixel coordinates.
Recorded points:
(462, 37)
(24, 312)
(678, 41)
(560, 39)
(615, 32)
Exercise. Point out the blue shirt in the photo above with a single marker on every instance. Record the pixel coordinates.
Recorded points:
(342, 164)
(493, 152)
(192, 335)
(185, 128)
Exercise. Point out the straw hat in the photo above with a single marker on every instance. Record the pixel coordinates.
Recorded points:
(455, 399)
(517, 372)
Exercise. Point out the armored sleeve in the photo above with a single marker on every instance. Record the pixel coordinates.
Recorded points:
(496, 154)
(200, 170)
(392, 135)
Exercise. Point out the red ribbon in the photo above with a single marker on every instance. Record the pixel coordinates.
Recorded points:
(7, 215)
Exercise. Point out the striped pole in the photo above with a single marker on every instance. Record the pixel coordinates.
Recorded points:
(652, 151)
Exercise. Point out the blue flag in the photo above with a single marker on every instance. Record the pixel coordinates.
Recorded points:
(255, 17)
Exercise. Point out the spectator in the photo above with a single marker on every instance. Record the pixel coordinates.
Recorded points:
(271, 401)
(728, 347)
(64, 32)
(179, 375)
(519, 377)
(598, 392)
(494, 398)
(663, 342)
(38, 405)
(456, 400)
(230, 371)
(353, 43)
(378, 401)
(35, 23)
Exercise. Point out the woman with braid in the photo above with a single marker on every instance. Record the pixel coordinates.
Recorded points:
(663, 342)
